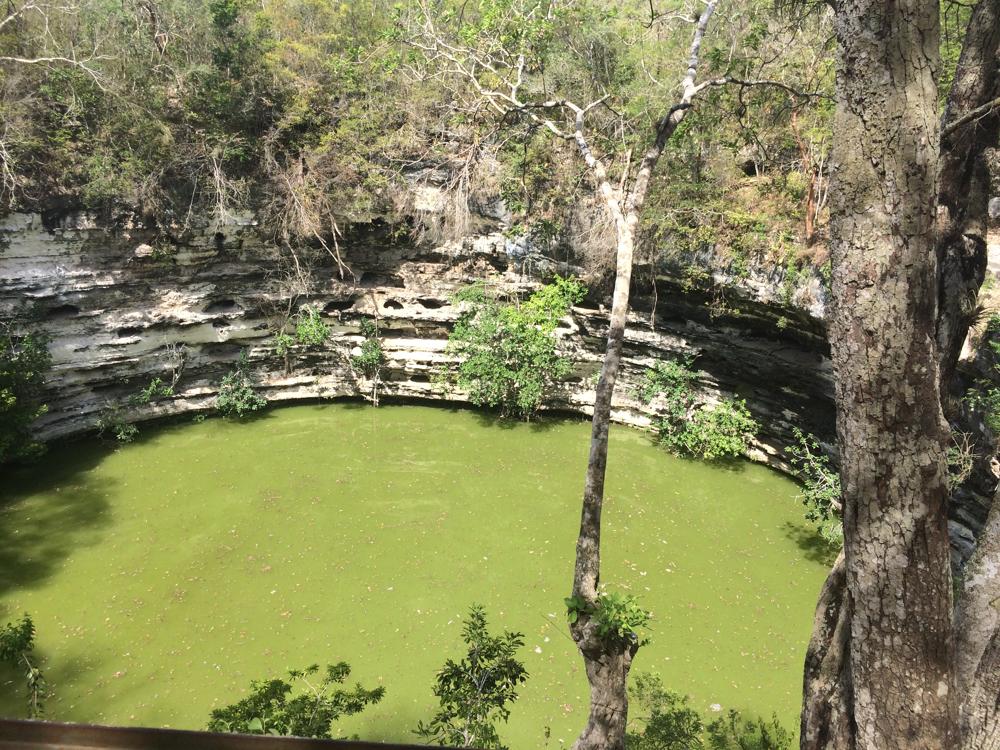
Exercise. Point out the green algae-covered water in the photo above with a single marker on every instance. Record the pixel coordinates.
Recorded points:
(165, 575)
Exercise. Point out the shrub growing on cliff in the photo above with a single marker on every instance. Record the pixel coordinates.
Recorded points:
(507, 351)
(114, 422)
(820, 486)
(476, 692)
(310, 328)
(23, 363)
(237, 397)
(371, 360)
(272, 709)
(690, 428)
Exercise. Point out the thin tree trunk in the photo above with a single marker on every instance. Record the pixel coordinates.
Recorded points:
(895, 690)
(607, 660)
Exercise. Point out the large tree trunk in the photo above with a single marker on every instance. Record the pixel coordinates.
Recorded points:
(963, 194)
(881, 337)
(896, 687)
(978, 640)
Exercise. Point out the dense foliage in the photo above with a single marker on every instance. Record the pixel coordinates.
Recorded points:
(690, 427)
(311, 113)
(237, 397)
(821, 492)
(475, 693)
(508, 352)
(667, 722)
(23, 363)
(618, 616)
(17, 642)
(273, 706)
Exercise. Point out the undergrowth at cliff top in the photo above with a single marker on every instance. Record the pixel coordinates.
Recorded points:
(311, 112)
(507, 350)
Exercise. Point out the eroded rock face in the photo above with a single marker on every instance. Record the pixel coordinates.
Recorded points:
(124, 307)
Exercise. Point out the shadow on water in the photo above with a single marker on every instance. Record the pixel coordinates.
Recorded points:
(35, 540)
(64, 671)
(537, 424)
(814, 547)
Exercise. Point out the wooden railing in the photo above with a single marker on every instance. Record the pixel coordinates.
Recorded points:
(45, 735)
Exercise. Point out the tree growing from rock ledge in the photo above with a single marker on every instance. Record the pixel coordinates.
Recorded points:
(24, 360)
(508, 351)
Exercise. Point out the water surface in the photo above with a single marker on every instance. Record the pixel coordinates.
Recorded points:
(165, 575)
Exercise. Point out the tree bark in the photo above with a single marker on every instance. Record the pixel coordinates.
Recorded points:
(826, 721)
(977, 625)
(964, 187)
(880, 337)
(896, 685)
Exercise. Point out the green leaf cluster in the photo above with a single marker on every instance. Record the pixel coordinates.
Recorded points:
(718, 431)
(667, 722)
(24, 361)
(372, 358)
(507, 351)
(273, 707)
(155, 391)
(114, 422)
(736, 732)
(237, 397)
(821, 490)
(618, 616)
(690, 428)
(310, 328)
(17, 642)
(664, 720)
(476, 693)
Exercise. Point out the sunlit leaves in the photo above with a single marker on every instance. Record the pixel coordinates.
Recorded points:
(508, 355)
(476, 692)
(274, 706)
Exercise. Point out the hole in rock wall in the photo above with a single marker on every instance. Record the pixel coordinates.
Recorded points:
(370, 280)
(220, 323)
(223, 351)
(338, 305)
(223, 306)
(61, 312)
(129, 331)
(431, 304)
(392, 304)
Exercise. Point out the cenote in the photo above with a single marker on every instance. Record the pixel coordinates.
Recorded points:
(165, 575)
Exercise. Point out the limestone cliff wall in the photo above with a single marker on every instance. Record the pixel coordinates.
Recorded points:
(119, 306)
